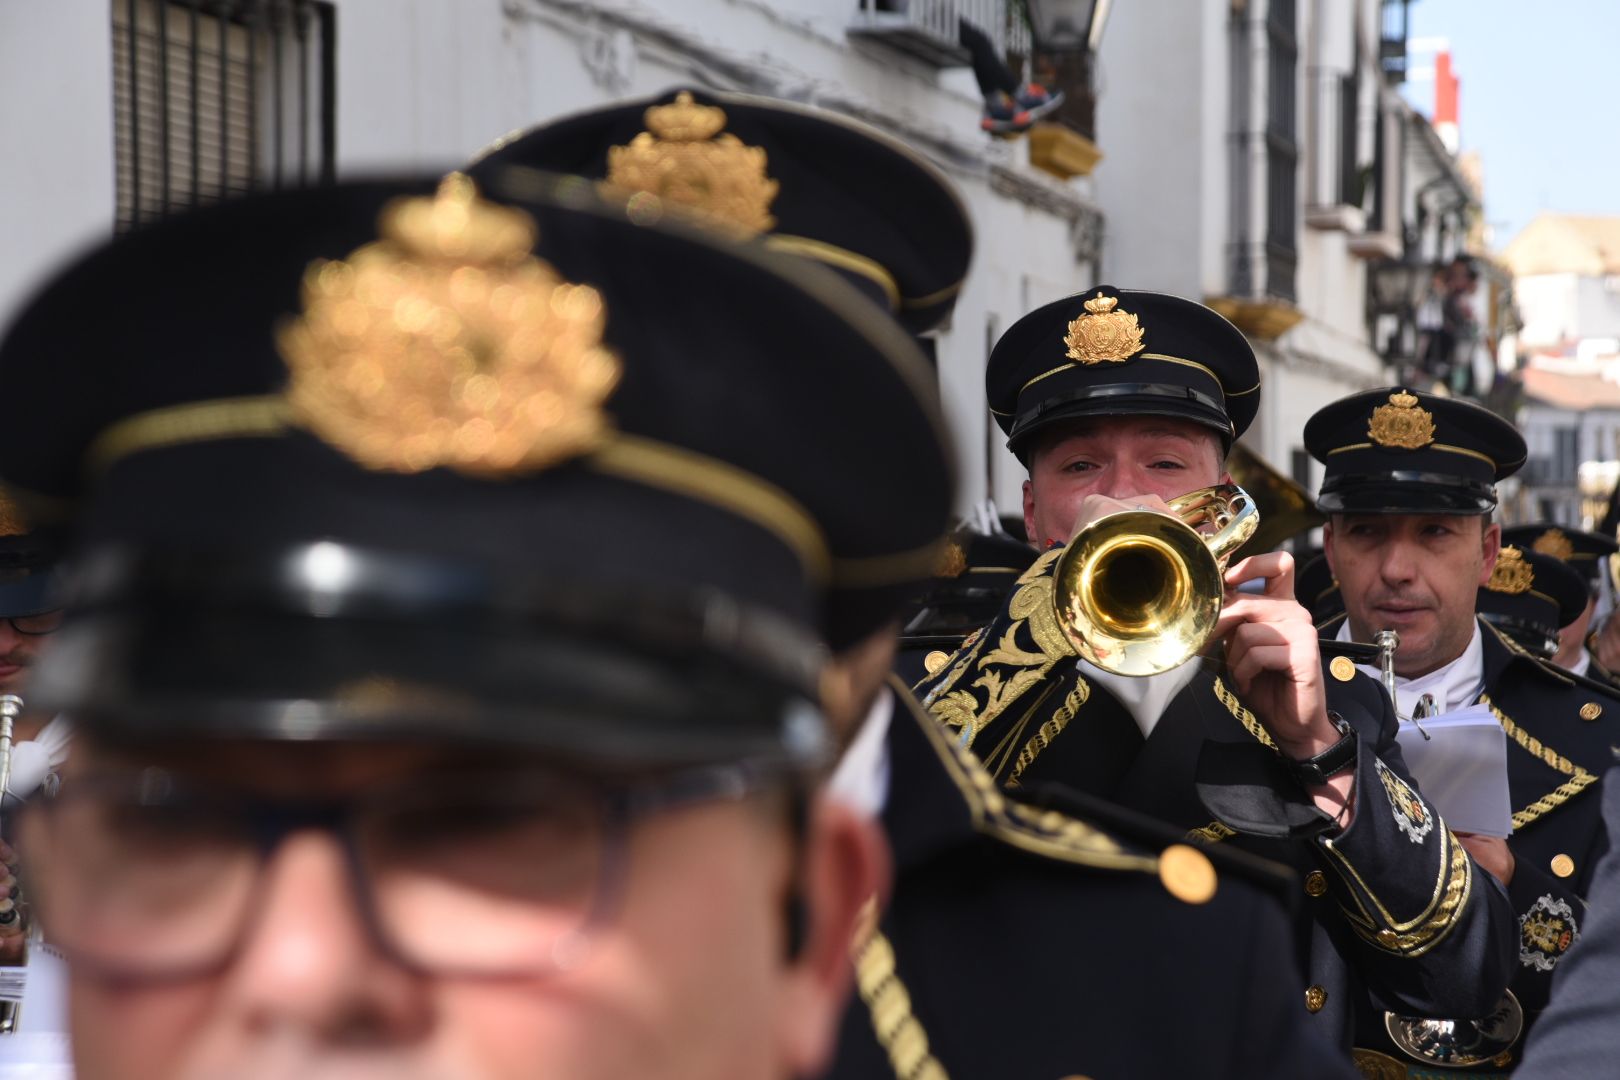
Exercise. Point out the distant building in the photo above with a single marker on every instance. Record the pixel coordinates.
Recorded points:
(1566, 270)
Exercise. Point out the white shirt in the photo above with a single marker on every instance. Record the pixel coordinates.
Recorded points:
(861, 780)
(1454, 686)
(1145, 698)
(1582, 664)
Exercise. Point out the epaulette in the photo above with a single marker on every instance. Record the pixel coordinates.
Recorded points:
(1050, 831)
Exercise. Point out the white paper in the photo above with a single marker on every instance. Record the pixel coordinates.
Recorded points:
(1462, 769)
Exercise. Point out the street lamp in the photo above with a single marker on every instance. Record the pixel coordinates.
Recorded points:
(1395, 288)
(1066, 26)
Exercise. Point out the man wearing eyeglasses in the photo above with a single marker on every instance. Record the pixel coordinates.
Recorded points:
(446, 640)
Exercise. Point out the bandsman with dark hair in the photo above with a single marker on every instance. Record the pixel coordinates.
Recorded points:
(1408, 485)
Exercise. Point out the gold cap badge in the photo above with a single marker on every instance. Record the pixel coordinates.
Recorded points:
(683, 159)
(1511, 575)
(1402, 423)
(447, 343)
(952, 561)
(1103, 333)
(13, 522)
(1553, 542)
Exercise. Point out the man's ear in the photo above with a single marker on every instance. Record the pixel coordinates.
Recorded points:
(1490, 548)
(1029, 512)
(845, 884)
(1327, 546)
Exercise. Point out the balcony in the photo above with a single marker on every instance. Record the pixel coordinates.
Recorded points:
(926, 30)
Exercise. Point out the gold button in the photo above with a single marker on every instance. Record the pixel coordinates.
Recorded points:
(1315, 998)
(1591, 711)
(1187, 874)
(1342, 668)
(1315, 883)
(934, 661)
(1388, 938)
(1563, 865)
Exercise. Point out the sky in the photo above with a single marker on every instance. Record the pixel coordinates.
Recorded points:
(1538, 100)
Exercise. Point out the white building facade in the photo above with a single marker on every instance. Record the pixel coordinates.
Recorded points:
(1249, 149)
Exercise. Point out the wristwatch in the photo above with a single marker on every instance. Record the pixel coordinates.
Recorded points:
(1314, 771)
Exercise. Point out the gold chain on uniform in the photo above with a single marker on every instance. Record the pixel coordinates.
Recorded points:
(898, 1030)
(1579, 778)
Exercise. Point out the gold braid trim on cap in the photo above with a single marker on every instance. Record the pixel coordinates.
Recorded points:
(841, 258)
(685, 161)
(13, 522)
(645, 461)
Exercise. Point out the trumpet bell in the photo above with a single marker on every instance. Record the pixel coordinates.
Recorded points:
(1459, 1044)
(1138, 593)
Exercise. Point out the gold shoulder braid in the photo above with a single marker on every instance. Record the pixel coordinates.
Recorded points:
(684, 159)
(447, 343)
(1402, 423)
(1008, 669)
(1511, 574)
(1103, 334)
(896, 1027)
(1579, 779)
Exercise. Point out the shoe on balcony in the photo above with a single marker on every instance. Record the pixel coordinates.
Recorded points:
(1007, 115)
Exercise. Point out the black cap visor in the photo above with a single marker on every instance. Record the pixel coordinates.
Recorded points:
(456, 658)
(1120, 399)
(1406, 492)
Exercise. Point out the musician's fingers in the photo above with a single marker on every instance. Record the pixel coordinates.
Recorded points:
(1275, 567)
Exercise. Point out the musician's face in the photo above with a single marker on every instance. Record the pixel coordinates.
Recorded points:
(1572, 638)
(691, 980)
(17, 654)
(1416, 574)
(1120, 457)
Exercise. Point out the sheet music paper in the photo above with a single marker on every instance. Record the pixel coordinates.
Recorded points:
(1462, 769)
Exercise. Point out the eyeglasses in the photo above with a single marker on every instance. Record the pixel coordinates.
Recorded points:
(36, 625)
(140, 877)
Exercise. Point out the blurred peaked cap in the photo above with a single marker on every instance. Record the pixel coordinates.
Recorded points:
(1316, 589)
(976, 571)
(1111, 352)
(1582, 550)
(498, 459)
(1399, 451)
(1531, 596)
(27, 558)
(806, 180)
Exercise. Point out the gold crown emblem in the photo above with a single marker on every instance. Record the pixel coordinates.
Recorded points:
(13, 522)
(684, 160)
(1553, 542)
(447, 343)
(1103, 333)
(1511, 575)
(1402, 423)
(952, 561)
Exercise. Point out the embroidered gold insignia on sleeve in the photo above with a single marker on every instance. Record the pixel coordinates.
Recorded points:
(1103, 334)
(1511, 575)
(1412, 815)
(448, 343)
(1402, 423)
(1546, 932)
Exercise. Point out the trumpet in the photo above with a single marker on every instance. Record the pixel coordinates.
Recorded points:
(11, 707)
(1138, 592)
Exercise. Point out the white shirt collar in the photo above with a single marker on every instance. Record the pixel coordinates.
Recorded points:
(1582, 664)
(861, 780)
(1454, 686)
(1144, 698)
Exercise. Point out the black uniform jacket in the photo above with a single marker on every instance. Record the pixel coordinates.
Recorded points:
(1395, 914)
(1560, 728)
(1023, 940)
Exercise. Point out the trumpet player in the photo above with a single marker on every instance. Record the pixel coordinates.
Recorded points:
(1122, 401)
(1409, 487)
